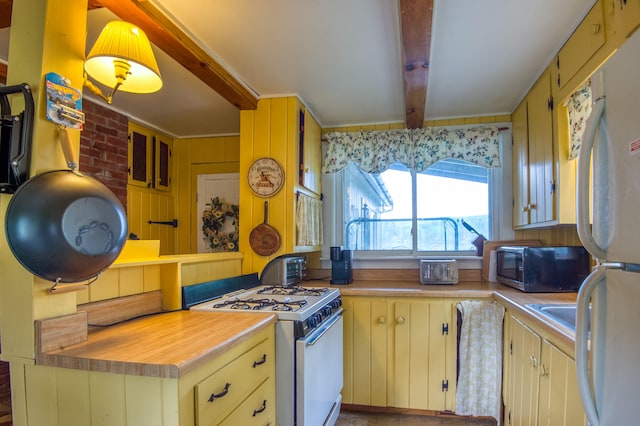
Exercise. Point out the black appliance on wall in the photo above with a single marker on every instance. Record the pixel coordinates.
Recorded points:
(341, 272)
(15, 139)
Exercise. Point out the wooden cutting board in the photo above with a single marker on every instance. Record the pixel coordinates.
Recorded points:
(489, 246)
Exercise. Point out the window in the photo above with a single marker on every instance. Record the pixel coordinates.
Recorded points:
(381, 211)
(396, 213)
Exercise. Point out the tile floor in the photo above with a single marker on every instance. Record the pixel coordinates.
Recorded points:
(352, 418)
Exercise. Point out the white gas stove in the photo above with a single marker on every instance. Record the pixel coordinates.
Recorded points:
(308, 341)
(293, 303)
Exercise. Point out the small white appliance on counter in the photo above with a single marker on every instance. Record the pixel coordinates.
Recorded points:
(309, 370)
(610, 349)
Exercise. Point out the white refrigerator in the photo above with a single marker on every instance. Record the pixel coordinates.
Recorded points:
(608, 312)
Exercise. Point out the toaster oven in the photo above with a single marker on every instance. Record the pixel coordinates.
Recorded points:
(284, 270)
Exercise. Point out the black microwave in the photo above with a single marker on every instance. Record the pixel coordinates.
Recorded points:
(543, 269)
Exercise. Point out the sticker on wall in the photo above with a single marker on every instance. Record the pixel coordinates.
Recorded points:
(64, 103)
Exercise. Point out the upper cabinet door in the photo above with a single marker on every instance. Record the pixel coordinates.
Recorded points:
(584, 43)
(541, 159)
(162, 161)
(520, 165)
(310, 153)
(140, 159)
(149, 158)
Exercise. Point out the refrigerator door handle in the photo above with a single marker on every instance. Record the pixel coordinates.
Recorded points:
(587, 288)
(582, 182)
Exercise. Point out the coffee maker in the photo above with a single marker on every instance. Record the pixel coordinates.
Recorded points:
(340, 266)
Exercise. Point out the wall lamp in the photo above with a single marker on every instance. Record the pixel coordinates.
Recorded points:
(122, 59)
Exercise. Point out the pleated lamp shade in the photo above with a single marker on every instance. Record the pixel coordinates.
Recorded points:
(122, 54)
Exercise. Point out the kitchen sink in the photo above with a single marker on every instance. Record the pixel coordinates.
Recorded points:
(563, 313)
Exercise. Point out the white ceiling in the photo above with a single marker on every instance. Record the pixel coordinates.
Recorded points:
(343, 58)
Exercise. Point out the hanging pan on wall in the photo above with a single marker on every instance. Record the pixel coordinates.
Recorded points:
(264, 239)
(64, 226)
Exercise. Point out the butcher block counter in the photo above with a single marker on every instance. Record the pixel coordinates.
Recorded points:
(161, 345)
(512, 299)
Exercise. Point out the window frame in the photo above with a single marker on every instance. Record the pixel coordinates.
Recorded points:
(500, 205)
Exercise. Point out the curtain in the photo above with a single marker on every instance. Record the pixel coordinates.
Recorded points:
(579, 106)
(308, 221)
(374, 151)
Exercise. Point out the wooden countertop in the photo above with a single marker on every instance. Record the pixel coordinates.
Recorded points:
(162, 345)
(510, 298)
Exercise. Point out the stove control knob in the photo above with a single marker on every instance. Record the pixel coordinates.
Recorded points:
(335, 304)
(326, 311)
(313, 321)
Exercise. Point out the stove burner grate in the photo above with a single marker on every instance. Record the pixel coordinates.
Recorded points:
(258, 304)
(292, 290)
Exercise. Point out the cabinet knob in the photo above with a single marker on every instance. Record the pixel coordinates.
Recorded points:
(400, 320)
(382, 320)
(596, 28)
(534, 361)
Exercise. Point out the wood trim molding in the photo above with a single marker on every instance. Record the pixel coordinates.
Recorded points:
(416, 20)
(6, 7)
(3, 73)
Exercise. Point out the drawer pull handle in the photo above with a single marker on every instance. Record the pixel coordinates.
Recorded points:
(262, 361)
(261, 409)
(221, 394)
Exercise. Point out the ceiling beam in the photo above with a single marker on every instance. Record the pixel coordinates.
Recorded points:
(416, 19)
(171, 39)
(167, 36)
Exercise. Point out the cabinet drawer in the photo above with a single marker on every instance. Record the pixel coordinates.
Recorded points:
(584, 43)
(257, 409)
(218, 394)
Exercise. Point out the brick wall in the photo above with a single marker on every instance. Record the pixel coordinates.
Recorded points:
(103, 148)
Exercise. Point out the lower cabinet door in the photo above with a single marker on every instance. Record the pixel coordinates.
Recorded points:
(258, 409)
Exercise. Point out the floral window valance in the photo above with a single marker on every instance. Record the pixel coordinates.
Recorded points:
(374, 151)
(579, 106)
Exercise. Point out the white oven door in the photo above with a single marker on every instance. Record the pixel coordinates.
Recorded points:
(319, 374)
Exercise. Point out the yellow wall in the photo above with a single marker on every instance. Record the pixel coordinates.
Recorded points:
(192, 157)
(148, 204)
(269, 131)
(41, 41)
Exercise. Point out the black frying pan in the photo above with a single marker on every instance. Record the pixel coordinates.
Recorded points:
(64, 226)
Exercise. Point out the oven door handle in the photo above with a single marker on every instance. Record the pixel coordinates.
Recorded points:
(317, 334)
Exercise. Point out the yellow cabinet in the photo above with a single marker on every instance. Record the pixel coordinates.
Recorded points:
(581, 46)
(225, 391)
(149, 158)
(523, 365)
(366, 334)
(399, 352)
(534, 184)
(520, 164)
(310, 154)
(423, 355)
(540, 386)
(69, 397)
(559, 401)
(624, 18)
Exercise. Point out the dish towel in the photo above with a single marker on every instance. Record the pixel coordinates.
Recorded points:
(480, 357)
(308, 221)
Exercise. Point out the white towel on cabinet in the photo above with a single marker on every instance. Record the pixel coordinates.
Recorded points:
(480, 356)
